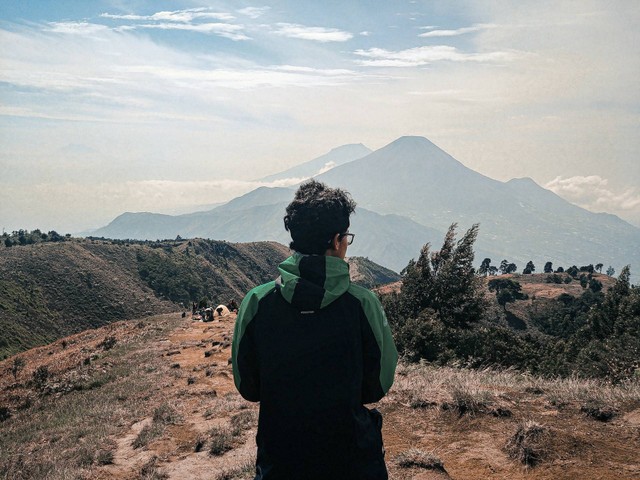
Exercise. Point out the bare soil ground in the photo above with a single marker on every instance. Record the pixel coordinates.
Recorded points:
(197, 426)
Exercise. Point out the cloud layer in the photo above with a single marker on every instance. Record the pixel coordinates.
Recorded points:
(593, 193)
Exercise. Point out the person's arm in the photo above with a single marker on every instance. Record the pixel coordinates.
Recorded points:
(246, 372)
(379, 351)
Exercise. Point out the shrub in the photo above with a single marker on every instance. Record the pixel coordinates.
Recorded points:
(147, 435)
(5, 414)
(529, 444)
(40, 377)
(149, 470)
(108, 343)
(104, 457)
(221, 440)
(242, 421)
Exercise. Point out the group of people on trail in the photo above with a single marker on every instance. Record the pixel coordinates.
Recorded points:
(207, 314)
(313, 349)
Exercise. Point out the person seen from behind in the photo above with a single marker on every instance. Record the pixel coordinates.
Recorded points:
(313, 349)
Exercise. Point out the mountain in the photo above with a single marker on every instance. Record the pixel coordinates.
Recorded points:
(408, 193)
(335, 157)
(519, 220)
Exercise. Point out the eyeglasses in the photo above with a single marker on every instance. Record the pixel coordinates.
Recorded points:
(349, 235)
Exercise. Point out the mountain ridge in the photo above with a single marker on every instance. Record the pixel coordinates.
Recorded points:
(413, 178)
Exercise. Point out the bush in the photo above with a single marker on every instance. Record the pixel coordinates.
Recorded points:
(220, 441)
(529, 445)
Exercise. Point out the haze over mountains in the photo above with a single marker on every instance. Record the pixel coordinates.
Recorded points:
(408, 193)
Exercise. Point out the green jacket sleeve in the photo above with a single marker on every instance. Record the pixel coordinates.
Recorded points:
(243, 351)
(379, 350)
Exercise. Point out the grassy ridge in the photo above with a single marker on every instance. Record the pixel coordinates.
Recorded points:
(51, 290)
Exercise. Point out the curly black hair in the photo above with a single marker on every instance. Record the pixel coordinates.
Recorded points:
(315, 215)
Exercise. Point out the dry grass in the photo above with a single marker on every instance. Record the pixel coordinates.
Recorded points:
(67, 434)
(244, 471)
(415, 457)
(245, 420)
(468, 399)
(221, 440)
(529, 444)
(422, 385)
(150, 471)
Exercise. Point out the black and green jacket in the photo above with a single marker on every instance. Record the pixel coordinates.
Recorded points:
(313, 348)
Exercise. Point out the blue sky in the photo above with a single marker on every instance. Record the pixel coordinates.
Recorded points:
(113, 106)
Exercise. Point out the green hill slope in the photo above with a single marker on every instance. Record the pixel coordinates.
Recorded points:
(51, 290)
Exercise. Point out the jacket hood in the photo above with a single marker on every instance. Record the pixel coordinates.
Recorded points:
(311, 282)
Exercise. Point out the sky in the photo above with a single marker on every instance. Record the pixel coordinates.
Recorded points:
(166, 106)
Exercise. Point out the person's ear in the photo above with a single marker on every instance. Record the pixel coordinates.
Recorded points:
(335, 242)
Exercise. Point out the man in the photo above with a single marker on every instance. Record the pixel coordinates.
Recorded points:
(313, 349)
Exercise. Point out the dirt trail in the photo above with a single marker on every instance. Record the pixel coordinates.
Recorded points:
(200, 387)
(202, 392)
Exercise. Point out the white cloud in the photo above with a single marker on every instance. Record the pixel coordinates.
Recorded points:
(226, 30)
(319, 34)
(254, 12)
(454, 33)
(593, 193)
(186, 20)
(327, 166)
(76, 28)
(419, 56)
(185, 16)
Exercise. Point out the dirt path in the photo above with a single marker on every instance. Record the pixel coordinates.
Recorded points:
(199, 387)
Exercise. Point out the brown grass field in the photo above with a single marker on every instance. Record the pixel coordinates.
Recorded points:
(154, 398)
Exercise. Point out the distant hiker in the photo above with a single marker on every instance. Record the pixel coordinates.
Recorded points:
(313, 348)
(232, 305)
(194, 308)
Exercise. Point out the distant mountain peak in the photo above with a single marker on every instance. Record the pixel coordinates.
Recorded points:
(335, 157)
(415, 144)
(351, 146)
(523, 181)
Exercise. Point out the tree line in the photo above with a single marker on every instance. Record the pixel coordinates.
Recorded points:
(506, 267)
(442, 314)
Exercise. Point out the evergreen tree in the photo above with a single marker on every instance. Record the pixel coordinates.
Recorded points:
(484, 267)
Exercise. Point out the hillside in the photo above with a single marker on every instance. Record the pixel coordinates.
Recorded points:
(154, 398)
(51, 290)
(368, 274)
